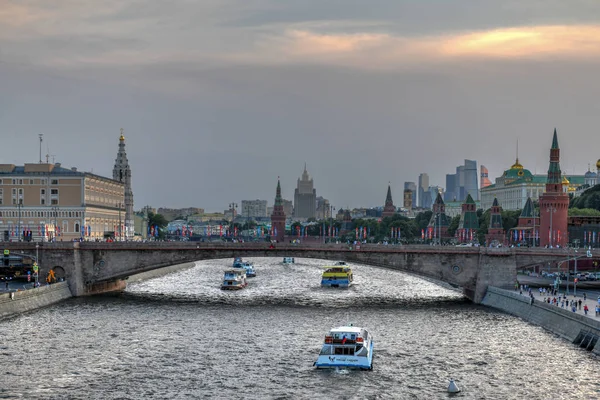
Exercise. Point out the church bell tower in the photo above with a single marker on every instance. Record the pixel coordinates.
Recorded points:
(122, 173)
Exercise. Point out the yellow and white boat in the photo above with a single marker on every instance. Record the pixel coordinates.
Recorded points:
(338, 275)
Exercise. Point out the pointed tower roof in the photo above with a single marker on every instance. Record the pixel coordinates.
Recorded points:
(438, 199)
(469, 199)
(495, 203)
(278, 199)
(528, 209)
(555, 140)
(389, 209)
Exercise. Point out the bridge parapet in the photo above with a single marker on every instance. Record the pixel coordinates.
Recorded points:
(97, 263)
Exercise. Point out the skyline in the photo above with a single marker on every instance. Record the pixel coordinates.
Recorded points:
(227, 96)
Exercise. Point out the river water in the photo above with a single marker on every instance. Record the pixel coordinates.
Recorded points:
(181, 337)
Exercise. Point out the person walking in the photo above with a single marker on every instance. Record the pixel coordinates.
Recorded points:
(580, 303)
(585, 309)
(584, 296)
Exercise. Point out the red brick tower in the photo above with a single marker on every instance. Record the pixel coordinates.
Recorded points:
(496, 227)
(554, 203)
(389, 209)
(278, 216)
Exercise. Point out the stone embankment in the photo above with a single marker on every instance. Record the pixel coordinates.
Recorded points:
(14, 303)
(581, 330)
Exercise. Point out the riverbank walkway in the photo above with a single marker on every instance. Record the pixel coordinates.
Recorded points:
(591, 303)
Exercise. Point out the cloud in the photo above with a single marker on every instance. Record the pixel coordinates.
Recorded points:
(382, 50)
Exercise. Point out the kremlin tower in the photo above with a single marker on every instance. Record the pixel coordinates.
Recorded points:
(278, 216)
(496, 227)
(554, 203)
(389, 209)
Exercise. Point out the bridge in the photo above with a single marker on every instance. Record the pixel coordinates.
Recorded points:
(96, 267)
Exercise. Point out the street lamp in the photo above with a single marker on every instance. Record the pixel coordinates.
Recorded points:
(233, 207)
(119, 205)
(551, 210)
(332, 209)
(55, 215)
(19, 203)
(38, 263)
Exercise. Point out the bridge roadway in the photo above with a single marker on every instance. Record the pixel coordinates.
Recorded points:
(95, 267)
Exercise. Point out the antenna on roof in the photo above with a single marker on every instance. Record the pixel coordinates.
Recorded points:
(41, 136)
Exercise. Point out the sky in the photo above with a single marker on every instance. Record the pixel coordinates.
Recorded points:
(219, 98)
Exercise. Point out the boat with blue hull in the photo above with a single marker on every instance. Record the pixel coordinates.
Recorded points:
(248, 266)
(288, 260)
(346, 347)
(338, 275)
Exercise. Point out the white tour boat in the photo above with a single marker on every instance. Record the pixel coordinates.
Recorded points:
(347, 346)
(288, 260)
(234, 279)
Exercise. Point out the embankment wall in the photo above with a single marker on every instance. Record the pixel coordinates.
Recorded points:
(14, 303)
(562, 322)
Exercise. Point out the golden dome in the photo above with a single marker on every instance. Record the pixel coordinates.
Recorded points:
(122, 137)
(598, 164)
(516, 165)
(565, 181)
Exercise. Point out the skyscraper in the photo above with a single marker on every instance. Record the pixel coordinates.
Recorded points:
(462, 183)
(423, 188)
(122, 173)
(451, 185)
(305, 197)
(470, 182)
(413, 188)
(484, 179)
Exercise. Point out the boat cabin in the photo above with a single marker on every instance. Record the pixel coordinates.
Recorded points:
(344, 341)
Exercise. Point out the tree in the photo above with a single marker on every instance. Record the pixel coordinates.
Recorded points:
(584, 212)
(589, 199)
(453, 225)
(160, 220)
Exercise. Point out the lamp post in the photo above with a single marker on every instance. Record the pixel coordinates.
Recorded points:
(551, 210)
(119, 205)
(332, 209)
(19, 202)
(233, 207)
(54, 220)
(37, 260)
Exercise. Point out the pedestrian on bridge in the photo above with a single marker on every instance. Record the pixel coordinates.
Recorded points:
(585, 309)
(580, 303)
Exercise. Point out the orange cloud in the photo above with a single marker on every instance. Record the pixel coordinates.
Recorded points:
(376, 50)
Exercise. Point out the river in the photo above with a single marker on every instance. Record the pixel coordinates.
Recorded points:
(181, 337)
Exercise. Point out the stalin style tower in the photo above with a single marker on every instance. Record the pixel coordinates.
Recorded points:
(554, 203)
(389, 209)
(122, 173)
(278, 216)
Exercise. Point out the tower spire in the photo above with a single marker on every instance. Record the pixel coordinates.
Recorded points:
(122, 173)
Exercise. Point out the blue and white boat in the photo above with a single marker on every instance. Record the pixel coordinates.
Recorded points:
(288, 260)
(248, 266)
(347, 347)
(234, 279)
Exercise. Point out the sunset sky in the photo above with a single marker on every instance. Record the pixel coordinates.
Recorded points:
(220, 97)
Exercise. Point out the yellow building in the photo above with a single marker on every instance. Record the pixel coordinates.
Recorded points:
(48, 202)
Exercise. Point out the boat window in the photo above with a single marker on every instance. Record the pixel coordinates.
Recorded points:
(339, 350)
(353, 337)
(325, 350)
